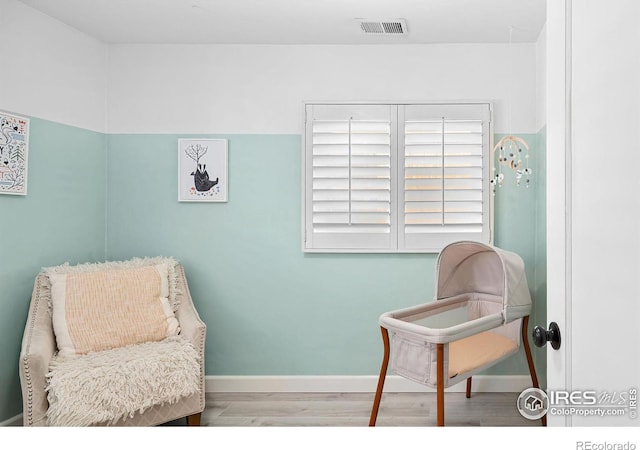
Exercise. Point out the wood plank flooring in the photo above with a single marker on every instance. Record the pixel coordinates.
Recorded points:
(354, 409)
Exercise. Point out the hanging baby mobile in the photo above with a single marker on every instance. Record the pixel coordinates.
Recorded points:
(512, 151)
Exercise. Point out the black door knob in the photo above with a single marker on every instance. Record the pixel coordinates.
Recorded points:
(542, 336)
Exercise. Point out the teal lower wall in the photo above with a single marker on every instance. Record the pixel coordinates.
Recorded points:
(61, 219)
(270, 308)
(539, 287)
(520, 226)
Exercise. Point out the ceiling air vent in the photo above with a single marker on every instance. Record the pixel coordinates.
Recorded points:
(394, 26)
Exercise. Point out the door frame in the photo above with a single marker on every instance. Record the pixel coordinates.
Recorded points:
(559, 212)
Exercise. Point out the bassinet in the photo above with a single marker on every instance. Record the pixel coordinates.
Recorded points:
(475, 321)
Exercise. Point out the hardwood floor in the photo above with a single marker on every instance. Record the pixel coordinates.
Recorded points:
(354, 409)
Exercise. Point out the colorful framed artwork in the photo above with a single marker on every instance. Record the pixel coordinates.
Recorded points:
(202, 170)
(14, 149)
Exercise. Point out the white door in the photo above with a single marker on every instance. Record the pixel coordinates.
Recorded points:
(593, 207)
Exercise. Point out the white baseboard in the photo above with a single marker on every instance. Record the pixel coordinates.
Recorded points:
(15, 421)
(359, 383)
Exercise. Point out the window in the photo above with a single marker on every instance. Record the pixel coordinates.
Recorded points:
(396, 177)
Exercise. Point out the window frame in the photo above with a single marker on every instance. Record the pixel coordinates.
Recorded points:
(397, 179)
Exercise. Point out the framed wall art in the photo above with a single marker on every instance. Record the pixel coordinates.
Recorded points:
(14, 149)
(202, 170)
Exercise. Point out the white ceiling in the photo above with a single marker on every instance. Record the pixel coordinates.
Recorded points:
(297, 21)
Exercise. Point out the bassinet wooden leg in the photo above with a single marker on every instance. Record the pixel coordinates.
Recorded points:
(194, 420)
(527, 350)
(469, 387)
(383, 375)
(440, 383)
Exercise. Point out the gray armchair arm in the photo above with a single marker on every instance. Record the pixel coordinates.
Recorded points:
(38, 347)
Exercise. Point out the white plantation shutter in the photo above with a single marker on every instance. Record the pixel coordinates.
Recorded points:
(444, 172)
(396, 178)
(349, 162)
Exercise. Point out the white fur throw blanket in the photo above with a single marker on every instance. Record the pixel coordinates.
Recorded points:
(105, 387)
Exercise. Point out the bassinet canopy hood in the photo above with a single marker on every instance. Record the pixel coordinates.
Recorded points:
(469, 266)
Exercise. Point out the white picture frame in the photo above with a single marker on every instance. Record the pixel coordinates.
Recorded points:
(14, 152)
(202, 170)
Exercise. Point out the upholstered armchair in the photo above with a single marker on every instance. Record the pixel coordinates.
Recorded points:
(39, 372)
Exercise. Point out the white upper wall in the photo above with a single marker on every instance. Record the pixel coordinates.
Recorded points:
(541, 79)
(261, 88)
(58, 73)
(50, 70)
